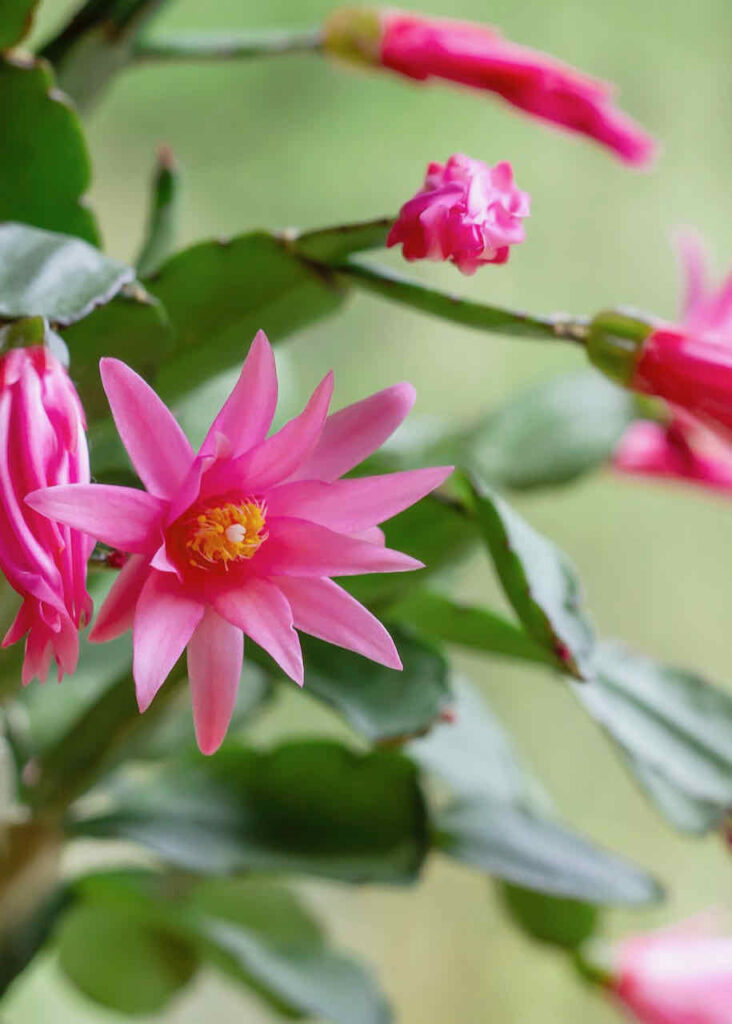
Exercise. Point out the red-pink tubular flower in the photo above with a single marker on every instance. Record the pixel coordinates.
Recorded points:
(42, 443)
(681, 975)
(689, 365)
(242, 537)
(422, 48)
(466, 212)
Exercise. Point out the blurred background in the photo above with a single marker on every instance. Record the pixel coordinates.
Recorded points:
(297, 141)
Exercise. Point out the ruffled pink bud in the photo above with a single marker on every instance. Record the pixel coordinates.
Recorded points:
(681, 975)
(466, 212)
(42, 442)
(478, 56)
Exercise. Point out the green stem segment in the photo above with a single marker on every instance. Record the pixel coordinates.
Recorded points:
(190, 46)
(465, 312)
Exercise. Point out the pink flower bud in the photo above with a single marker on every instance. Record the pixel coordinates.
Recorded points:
(466, 212)
(477, 56)
(681, 975)
(690, 366)
(42, 442)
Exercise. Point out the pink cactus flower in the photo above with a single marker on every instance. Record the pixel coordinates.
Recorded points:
(466, 212)
(478, 56)
(243, 537)
(691, 367)
(42, 443)
(681, 975)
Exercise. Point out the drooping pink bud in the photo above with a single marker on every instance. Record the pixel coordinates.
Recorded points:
(422, 48)
(681, 975)
(690, 366)
(42, 442)
(466, 212)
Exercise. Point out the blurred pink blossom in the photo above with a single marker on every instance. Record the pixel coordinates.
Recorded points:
(42, 442)
(242, 537)
(466, 212)
(690, 366)
(681, 975)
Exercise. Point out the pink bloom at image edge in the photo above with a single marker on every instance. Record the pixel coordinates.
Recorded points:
(478, 56)
(680, 975)
(42, 442)
(466, 212)
(243, 537)
(689, 446)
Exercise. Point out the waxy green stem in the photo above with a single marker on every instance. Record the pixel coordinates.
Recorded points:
(458, 310)
(194, 46)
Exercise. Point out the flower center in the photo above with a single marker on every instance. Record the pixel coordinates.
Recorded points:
(227, 533)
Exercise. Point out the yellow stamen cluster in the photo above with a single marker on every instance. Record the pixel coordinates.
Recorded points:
(226, 533)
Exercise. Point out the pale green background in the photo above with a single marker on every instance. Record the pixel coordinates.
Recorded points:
(296, 141)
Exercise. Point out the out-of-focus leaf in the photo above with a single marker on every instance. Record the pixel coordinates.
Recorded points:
(132, 327)
(96, 44)
(674, 728)
(378, 702)
(550, 919)
(54, 276)
(480, 629)
(684, 811)
(473, 755)
(163, 217)
(260, 934)
(20, 945)
(313, 807)
(536, 853)
(17, 21)
(254, 930)
(121, 962)
(435, 531)
(331, 245)
(538, 580)
(44, 163)
(219, 294)
(551, 434)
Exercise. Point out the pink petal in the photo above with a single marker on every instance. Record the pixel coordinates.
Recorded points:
(323, 609)
(298, 548)
(155, 443)
(277, 457)
(215, 655)
(247, 414)
(261, 610)
(354, 433)
(118, 611)
(352, 505)
(165, 618)
(123, 517)
(691, 257)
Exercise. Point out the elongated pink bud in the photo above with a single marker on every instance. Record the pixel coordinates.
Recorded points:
(42, 442)
(423, 48)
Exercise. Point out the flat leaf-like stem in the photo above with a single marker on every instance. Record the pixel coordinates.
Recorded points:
(234, 45)
(465, 312)
(54, 276)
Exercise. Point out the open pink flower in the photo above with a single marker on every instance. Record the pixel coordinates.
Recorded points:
(691, 367)
(466, 212)
(422, 47)
(243, 537)
(42, 442)
(681, 975)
